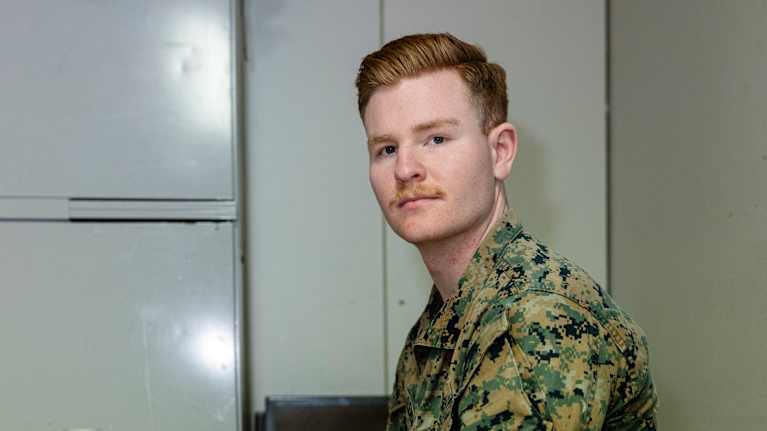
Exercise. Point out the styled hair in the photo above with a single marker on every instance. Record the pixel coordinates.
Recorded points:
(416, 54)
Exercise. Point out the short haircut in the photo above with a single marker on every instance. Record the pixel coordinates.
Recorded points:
(416, 54)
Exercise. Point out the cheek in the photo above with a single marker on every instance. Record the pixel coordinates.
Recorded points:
(472, 173)
(378, 183)
(467, 162)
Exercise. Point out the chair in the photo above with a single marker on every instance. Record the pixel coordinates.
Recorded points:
(325, 413)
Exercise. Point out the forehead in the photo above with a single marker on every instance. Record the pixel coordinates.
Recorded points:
(418, 100)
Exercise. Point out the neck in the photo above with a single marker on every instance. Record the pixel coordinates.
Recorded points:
(447, 258)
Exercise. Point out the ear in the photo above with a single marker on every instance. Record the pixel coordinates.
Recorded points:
(503, 148)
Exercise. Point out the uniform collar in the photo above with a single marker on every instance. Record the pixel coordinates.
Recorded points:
(442, 321)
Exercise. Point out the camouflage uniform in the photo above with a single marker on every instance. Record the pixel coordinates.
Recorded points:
(529, 342)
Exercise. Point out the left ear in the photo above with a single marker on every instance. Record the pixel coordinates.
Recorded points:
(503, 148)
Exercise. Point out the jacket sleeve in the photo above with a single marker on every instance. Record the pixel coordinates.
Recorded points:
(635, 405)
(639, 413)
(495, 397)
(396, 420)
(552, 369)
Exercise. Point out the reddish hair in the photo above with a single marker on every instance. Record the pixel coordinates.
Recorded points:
(415, 54)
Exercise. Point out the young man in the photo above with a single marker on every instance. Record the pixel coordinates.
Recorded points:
(514, 336)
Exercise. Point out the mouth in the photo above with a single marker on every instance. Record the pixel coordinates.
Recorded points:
(413, 201)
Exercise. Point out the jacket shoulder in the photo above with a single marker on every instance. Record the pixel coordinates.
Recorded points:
(533, 267)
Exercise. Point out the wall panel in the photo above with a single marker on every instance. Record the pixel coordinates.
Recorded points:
(689, 169)
(315, 238)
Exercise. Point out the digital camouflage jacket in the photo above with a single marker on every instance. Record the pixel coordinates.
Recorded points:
(529, 342)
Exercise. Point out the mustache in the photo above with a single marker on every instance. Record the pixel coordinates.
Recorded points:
(416, 191)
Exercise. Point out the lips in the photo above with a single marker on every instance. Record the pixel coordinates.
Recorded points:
(404, 201)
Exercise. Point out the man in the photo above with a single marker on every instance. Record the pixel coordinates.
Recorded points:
(514, 336)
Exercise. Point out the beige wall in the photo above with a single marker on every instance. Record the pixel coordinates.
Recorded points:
(331, 293)
(314, 229)
(689, 202)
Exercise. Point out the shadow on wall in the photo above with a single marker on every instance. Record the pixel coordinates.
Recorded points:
(260, 24)
(256, 18)
(526, 186)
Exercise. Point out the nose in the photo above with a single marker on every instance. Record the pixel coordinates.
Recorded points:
(408, 167)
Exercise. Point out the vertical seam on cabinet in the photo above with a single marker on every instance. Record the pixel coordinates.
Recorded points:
(608, 156)
(384, 260)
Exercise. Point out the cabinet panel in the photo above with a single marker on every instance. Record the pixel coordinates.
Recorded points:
(118, 327)
(116, 99)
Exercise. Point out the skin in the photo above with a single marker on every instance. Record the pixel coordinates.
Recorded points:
(437, 177)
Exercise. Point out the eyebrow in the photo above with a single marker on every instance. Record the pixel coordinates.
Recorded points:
(435, 124)
(418, 128)
(381, 139)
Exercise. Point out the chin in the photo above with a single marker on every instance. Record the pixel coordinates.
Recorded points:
(417, 234)
(416, 238)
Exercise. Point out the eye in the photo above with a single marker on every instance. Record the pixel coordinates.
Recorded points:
(437, 139)
(388, 150)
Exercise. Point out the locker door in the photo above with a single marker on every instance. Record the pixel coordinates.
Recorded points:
(116, 99)
(118, 327)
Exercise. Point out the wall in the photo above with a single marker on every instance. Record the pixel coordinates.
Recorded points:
(689, 208)
(314, 235)
(332, 293)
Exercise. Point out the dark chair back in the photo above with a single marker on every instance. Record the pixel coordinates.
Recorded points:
(327, 413)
